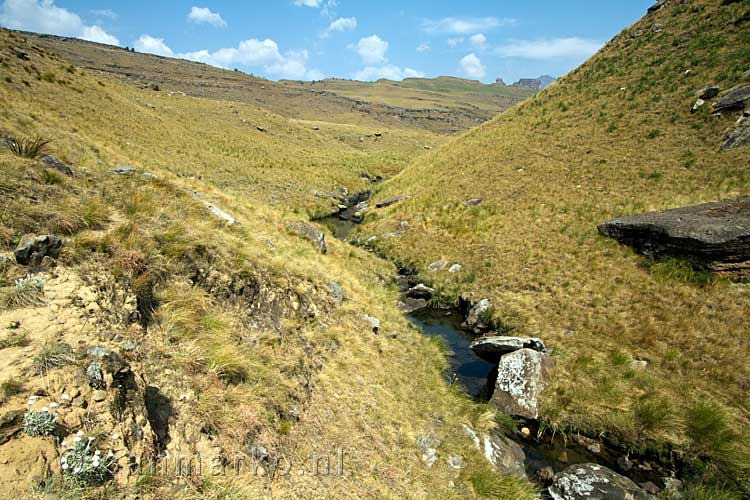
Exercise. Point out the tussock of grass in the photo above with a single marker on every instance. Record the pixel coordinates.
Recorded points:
(31, 148)
(52, 355)
(13, 338)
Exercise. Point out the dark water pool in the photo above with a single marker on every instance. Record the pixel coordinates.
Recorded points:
(470, 371)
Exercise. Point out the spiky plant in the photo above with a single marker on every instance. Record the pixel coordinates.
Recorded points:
(26, 147)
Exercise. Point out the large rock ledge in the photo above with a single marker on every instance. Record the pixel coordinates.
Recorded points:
(708, 234)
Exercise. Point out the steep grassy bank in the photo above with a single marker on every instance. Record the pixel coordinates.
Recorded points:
(233, 332)
(613, 137)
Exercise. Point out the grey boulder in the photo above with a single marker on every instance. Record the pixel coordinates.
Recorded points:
(478, 317)
(309, 232)
(520, 382)
(709, 233)
(491, 349)
(56, 164)
(708, 92)
(594, 482)
(733, 100)
(740, 136)
(32, 249)
(392, 201)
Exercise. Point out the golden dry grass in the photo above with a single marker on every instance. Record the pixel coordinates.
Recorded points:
(614, 137)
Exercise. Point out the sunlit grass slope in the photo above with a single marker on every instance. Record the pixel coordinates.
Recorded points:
(300, 376)
(614, 137)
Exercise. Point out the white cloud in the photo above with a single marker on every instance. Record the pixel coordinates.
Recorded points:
(204, 15)
(108, 13)
(151, 45)
(341, 24)
(372, 50)
(424, 47)
(308, 3)
(263, 54)
(97, 34)
(479, 41)
(389, 71)
(43, 16)
(455, 42)
(465, 25)
(472, 67)
(572, 47)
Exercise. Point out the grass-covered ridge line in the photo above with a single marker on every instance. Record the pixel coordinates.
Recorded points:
(612, 138)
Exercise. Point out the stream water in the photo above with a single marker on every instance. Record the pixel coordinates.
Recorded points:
(472, 374)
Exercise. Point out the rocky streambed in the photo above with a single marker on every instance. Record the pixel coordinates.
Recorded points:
(508, 373)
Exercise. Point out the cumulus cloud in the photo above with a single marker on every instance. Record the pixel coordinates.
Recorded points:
(572, 47)
(308, 3)
(472, 67)
(465, 25)
(108, 13)
(479, 41)
(263, 54)
(203, 15)
(389, 71)
(341, 24)
(151, 45)
(372, 50)
(423, 47)
(44, 16)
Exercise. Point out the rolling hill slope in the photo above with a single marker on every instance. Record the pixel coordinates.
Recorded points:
(614, 137)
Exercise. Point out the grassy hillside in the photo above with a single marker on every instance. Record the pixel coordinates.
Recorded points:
(232, 332)
(445, 114)
(614, 137)
(468, 97)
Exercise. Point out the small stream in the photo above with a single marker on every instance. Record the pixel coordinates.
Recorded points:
(476, 377)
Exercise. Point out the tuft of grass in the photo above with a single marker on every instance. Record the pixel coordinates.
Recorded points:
(26, 292)
(10, 388)
(680, 270)
(25, 147)
(53, 355)
(487, 483)
(15, 338)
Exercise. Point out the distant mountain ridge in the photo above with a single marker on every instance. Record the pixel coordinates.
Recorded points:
(535, 84)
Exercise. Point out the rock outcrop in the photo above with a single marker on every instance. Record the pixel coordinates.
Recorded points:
(591, 481)
(392, 201)
(735, 99)
(503, 453)
(55, 164)
(32, 249)
(712, 234)
(740, 136)
(519, 384)
(478, 317)
(491, 349)
(309, 232)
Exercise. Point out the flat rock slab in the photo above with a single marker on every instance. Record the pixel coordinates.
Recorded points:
(520, 381)
(491, 349)
(710, 233)
(740, 136)
(392, 201)
(733, 100)
(595, 482)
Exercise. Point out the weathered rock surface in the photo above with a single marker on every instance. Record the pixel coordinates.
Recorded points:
(438, 265)
(733, 100)
(11, 424)
(473, 202)
(56, 164)
(708, 92)
(503, 453)
(740, 136)
(392, 201)
(491, 349)
(309, 232)
(123, 170)
(420, 291)
(520, 381)
(594, 482)
(409, 305)
(477, 319)
(710, 233)
(32, 249)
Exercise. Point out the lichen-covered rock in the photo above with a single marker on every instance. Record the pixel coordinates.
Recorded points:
(710, 233)
(501, 452)
(520, 381)
(594, 482)
(438, 265)
(478, 317)
(420, 291)
(32, 249)
(491, 349)
(309, 232)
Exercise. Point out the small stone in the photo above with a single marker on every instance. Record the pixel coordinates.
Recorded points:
(639, 364)
(698, 104)
(708, 93)
(123, 170)
(545, 474)
(374, 322)
(438, 266)
(526, 432)
(650, 487)
(455, 268)
(99, 395)
(624, 463)
(336, 292)
(456, 462)
(563, 457)
(473, 202)
(56, 164)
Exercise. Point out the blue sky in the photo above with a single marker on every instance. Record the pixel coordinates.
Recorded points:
(313, 39)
